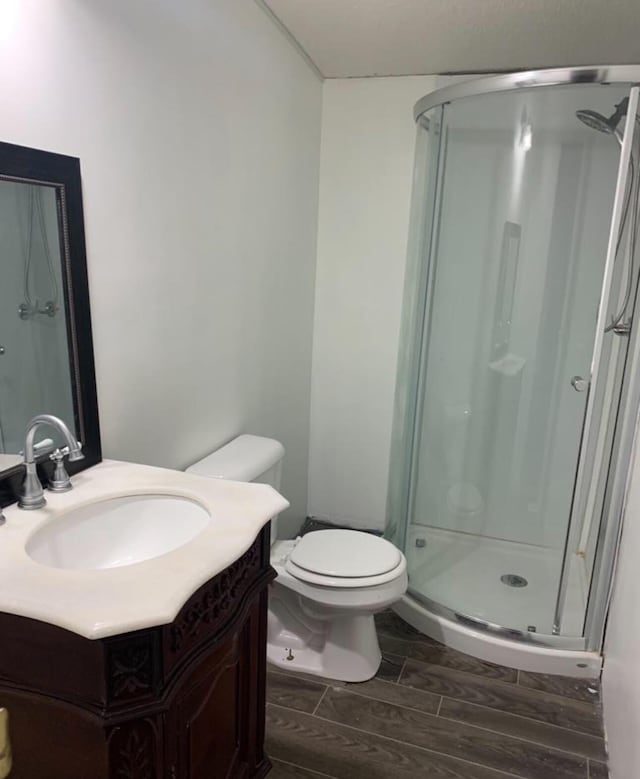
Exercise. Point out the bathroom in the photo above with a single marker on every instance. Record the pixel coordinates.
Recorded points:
(246, 220)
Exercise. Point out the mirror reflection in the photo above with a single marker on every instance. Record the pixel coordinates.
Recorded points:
(34, 354)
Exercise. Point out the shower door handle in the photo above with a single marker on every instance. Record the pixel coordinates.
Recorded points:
(579, 384)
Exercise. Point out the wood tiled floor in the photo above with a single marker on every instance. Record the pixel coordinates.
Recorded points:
(433, 713)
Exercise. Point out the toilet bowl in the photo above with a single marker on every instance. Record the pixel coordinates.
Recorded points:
(329, 583)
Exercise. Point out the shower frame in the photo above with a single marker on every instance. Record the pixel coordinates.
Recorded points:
(554, 653)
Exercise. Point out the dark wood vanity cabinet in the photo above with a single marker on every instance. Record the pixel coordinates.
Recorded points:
(178, 701)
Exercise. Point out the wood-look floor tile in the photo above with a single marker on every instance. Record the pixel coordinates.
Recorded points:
(303, 692)
(586, 690)
(459, 740)
(389, 692)
(282, 770)
(598, 770)
(293, 691)
(525, 728)
(346, 753)
(390, 623)
(390, 667)
(390, 626)
(553, 709)
(428, 651)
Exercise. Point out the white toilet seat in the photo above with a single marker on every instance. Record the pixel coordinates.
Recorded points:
(344, 558)
(344, 582)
(345, 553)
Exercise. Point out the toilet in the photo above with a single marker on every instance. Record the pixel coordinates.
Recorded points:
(329, 583)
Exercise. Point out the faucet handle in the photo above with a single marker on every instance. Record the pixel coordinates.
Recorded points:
(60, 481)
(63, 451)
(76, 454)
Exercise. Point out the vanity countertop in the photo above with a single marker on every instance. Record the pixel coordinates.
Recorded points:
(100, 603)
(10, 461)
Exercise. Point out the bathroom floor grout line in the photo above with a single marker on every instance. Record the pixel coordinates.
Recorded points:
(317, 706)
(508, 714)
(524, 717)
(521, 738)
(563, 728)
(470, 725)
(514, 683)
(354, 689)
(406, 743)
(400, 672)
(304, 768)
(542, 694)
(386, 634)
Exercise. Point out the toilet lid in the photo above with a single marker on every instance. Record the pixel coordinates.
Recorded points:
(345, 553)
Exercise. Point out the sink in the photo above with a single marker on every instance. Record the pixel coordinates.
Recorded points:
(117, 532)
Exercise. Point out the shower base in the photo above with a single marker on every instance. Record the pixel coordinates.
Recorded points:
(462, 574)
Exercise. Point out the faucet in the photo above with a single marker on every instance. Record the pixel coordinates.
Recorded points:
(32, 493)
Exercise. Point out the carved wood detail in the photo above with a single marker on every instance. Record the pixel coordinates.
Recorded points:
(216, 602)
(133, 666)
(133, 750)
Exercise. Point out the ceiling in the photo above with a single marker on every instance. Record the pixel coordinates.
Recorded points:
(346, 38)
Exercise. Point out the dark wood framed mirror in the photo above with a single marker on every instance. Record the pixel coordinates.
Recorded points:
(46, 345)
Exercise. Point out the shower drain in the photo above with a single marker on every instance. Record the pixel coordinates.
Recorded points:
(513, 580)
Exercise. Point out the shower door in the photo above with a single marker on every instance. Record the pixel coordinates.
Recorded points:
(516, 257)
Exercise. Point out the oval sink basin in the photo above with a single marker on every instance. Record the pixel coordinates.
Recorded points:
(117, 532)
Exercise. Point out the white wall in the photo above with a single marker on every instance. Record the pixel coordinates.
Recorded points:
(197, 125)
(621, 674)
(368, 136)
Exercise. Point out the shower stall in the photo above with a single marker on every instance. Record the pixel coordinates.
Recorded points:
(519, 369)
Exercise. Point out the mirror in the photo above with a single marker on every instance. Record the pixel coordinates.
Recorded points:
(46, 349)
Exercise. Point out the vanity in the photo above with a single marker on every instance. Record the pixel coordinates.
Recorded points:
(133, 608)
(148, 668)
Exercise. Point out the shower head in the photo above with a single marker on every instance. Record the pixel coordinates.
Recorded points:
(594, 120)
(597, 121)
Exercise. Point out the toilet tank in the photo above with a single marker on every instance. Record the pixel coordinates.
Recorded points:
(246, 458)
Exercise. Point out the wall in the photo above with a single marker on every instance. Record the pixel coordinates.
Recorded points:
(368, 137)
(197, 125)
(621, 675)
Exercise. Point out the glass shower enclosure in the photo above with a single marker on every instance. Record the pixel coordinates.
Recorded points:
(510, 445)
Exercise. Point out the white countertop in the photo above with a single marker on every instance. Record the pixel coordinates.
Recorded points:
(99, 603)
(10, 460)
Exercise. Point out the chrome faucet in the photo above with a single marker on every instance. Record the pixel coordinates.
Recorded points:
(32, 496)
